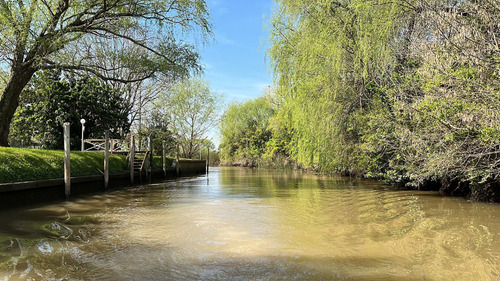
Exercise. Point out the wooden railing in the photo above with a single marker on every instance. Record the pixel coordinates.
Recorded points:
(116, 145)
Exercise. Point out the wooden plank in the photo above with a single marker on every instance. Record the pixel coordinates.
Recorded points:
(132, 157)
(106, 160)
(150, 143)
(164, 159)
(67, 166)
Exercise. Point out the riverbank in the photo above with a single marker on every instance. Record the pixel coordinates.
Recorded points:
(488, 191)
(20, 164)
(30, 176)
(13, 195)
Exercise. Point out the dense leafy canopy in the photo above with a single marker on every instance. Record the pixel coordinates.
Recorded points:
(52, 100)
(245, 131)
(76, 35)
(402, 90)
(191, 109)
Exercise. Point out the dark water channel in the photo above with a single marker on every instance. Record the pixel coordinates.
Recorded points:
(243, 224)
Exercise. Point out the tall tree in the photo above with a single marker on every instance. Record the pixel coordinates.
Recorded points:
(327, 56)
(64, 34)
(193, 110)
(404, 90)
(52, 99)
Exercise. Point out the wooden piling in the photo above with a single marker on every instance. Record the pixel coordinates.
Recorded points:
(208, 159)
(150, 143)
(177, 170)
(164, 159)
(67, 166)
(178, 152)
(132, 158)
(112, 145)
(106, 160)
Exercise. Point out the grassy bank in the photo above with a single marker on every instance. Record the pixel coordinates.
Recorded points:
(19, 164)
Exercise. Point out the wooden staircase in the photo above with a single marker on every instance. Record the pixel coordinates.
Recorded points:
(140, 161)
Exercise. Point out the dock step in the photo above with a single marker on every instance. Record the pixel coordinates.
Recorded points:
(140, 161)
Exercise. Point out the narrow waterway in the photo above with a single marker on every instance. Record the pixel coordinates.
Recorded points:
(244, 224)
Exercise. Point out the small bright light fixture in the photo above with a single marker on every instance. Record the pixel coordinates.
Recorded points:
(83, 129)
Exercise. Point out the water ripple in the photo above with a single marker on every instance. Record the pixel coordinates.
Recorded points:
(244, 224)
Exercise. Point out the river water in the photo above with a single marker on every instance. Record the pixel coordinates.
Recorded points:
(249, 224)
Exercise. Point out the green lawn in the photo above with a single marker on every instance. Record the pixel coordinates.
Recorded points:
(19, 164)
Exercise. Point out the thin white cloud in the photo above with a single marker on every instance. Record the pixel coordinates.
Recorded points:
(241, 93)
(207, 66)
(261, 86)
(218, 7)
(215, 3)
(237, 87)
(223, 39)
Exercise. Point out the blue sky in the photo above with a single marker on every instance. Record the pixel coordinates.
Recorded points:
(235, 63)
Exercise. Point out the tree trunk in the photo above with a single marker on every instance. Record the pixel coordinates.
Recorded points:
(10, 100)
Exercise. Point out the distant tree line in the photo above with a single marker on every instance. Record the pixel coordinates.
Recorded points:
(405, 91)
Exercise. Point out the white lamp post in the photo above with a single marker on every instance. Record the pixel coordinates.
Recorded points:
(83, 129)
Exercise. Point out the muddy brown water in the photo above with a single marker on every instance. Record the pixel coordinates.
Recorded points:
(248, 224)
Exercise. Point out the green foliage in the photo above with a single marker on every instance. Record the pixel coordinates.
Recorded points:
(245, 131)
(404, 92)
(191, 110)
(50, 29)
(51, 100)
(159, 128)
(81, 36)
(325, 56)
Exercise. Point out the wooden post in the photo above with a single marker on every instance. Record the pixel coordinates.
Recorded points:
(208, 158)
(178, 151)
(150, 143)
(106, 160)
(177, 163)
(164, 159)
(132, 158)
(67, 166)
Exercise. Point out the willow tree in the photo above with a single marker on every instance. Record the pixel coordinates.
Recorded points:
(63, 34)
(328, 57)
(405, 90)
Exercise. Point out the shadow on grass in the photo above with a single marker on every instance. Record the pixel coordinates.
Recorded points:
(32, 164)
